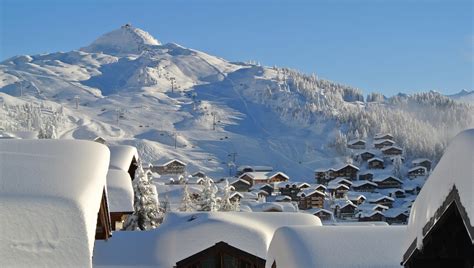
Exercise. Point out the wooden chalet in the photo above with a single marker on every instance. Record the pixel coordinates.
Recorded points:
(356, 144)
(388, 182)
(422, 162)
(364, 156)
(235, 196)
(375, 163)
(344, 210)
(278, 177)
(244, 169)
(103, 229)
(379, 144)
(292, 189)
(310, 198)
(222, 255)
(173, 166)
(241, 185)
(372, 216)
(366, 176)
(323, 176)
(348, 183)
(338, 191)
(356, 198)
(397, 193)
(364, 186)
(346, 171)
(383, 136)
(267, 188)
(199, 174)
(396, 216)
(382, 200)
(392, 150)
(247, 177)
(322, 214)
(417, 172)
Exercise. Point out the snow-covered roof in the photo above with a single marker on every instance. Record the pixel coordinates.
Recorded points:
(383, 141)
(240, 180)
(283, 198)
(417, 168)
(171, 161)
(258, 176)
(279, 173)
(342, 203)
(337, 186)
(340, 181)
(121, 156)
(420, 160)
(363, 182)
(381, 135)
(184, 234)
(355, 196)
(317, 210)
(394, 212)
(454, 169)
(384, 178)
(375, 159)
(119, 191)
(308, 192)
(271, 206)
(391, 147)
(341, 166)
(356, 246)
(352, 142)
(50, 195)
(371, 207)
(374, 197)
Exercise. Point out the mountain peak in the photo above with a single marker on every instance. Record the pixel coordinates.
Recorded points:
(125, 40)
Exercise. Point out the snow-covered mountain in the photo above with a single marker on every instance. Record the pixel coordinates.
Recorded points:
(463, 96)
(174, 102)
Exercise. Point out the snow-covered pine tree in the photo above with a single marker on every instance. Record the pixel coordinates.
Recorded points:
(397, 166)
(207, 198)
(226, 203)
(187, 203)
(147, 214)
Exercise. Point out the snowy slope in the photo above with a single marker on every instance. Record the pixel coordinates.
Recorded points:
(463, 96)
(174, 102)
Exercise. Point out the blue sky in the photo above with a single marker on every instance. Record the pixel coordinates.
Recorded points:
(375, 45)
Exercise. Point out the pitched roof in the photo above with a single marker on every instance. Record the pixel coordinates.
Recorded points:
(384, 178)
(121, 156)
(363, 182)
(173, 160)
(60, 182)
(119, 191)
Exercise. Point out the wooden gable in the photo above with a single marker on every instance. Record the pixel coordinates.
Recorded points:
(103, 227)
(222, 255)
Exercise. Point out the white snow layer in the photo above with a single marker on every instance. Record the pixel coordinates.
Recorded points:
(456, 168)
(337, 246)
(125, 40)
(50, 193)
(121, 156)
(119, 191)
(184, 234)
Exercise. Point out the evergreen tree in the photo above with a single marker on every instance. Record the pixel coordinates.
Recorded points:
(147, 214)
(187, 203)
(207, 198)
(226, 203)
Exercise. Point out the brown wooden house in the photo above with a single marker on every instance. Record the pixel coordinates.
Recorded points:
(397, 216)
(388, 182)
(103, 229)
(310, 198)
(222, 255)
(392, 150)
(417, 172)
(174, 166)
(356, 144)
(379, 144)
(322, 214)
(338, 191)
(382, 200)
(372, 216)
(375, 163)
(241, 185)
(366, 155)
(383, 136)
(278, 177)
(346, 171)
(422, 162)
(366, 176)
(364, 186)
(344, 210)
(267, 188)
